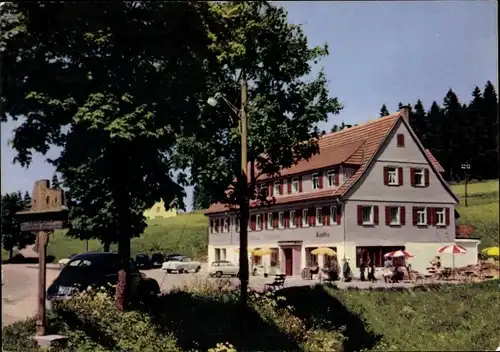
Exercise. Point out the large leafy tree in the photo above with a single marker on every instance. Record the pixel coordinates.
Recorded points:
(383, 111)
(12, 236)
(285, 104)
(112, 85)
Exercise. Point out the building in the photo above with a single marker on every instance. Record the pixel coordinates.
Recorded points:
(373, 188)
(158, 211)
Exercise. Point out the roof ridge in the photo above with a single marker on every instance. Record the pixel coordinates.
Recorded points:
(363, 124)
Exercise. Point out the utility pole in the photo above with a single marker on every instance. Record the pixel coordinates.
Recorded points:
(466, 167)
(244, 200)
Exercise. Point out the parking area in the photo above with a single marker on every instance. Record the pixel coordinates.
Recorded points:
(19, 293)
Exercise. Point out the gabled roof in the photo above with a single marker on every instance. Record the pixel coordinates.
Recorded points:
(434, 161)
(355, 145)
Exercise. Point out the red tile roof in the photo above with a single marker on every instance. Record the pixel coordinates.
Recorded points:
(434, 161)
(356, 145)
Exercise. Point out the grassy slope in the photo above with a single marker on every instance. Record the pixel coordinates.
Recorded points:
(482, 210)
(186, 233)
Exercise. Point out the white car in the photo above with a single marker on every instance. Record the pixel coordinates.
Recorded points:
(221, 268)
(181, 265)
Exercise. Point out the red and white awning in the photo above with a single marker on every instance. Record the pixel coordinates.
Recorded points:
(452, 249)
(399, 254)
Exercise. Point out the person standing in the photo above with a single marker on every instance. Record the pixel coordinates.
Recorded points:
(346, 269)
(362, 268)
(371, 270)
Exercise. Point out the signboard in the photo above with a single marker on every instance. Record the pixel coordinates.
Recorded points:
(322, 234)
(465, 230)
(42, 225)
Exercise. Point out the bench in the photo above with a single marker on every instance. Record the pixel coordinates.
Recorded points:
(279, 282)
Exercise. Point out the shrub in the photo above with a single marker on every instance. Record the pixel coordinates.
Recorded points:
(17, 337)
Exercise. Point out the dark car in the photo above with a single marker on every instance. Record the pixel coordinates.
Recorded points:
(100, 270)
(142, 261)
(157, 259)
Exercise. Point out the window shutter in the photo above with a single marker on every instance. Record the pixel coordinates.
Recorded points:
(300, 184)
(415, 216)
(289, 184)
(217, 225)
(281, 186)
(360, 215)
(387, 216)
(375, 214)
(270, 189)
(298, 217)
(320, 180)
(434, 216)
(402, 214)
(430, 220)
(400, 176)
(275, 220)
(312, 215)
(426, 176)
(339, 215)
(286, 216)
(412, 176)
(447, 216)
(326, 216)
(386, 175)
(336, 177)
(264, 218)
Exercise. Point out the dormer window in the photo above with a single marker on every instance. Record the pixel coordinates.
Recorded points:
(330, 175)
(315, 181)
(276, 188)
(295, 185)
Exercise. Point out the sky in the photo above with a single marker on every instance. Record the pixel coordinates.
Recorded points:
(380, 53)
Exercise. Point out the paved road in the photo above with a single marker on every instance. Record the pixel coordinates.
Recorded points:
(19, 293)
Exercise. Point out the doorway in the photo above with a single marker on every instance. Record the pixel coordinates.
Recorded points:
(288, 254)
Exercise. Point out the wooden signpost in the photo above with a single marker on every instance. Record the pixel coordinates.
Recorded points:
(47, 213)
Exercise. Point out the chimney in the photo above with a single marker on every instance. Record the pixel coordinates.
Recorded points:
(405, 113)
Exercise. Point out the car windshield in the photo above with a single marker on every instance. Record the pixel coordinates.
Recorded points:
(103, 264)
(176, 259)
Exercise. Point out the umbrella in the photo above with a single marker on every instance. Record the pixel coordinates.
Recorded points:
(261, 252)
(399, 254)
(491, 251)
(452, 249)
(324, 250)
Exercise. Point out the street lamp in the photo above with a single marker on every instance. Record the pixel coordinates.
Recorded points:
(466, 166)
(243, 183)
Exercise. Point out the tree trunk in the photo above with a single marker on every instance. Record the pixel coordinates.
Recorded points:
(11, 253)
(121, 293)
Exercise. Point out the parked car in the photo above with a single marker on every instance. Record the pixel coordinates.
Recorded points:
(100, 269)
(181, 265)
(142, 261)
(221, 268)
(157, 259)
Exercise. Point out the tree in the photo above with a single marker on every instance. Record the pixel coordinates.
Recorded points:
(283, 108)
(12, 236)
(337, 128)
(130, 93)
(420, 123)
(55, 182)
(490, 112)
(27, 200)
(201, 198)
(384, 111)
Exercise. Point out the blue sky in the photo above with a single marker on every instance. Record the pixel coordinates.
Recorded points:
(380, 53)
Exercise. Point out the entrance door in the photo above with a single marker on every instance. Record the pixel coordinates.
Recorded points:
(288, 261)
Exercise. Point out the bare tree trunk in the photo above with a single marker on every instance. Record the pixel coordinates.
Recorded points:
(121, 293)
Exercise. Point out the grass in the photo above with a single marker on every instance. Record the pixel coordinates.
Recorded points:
(187, 232)
(482, 210)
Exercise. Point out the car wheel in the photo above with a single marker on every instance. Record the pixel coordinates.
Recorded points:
(181, 271)
(198, 269)
(218, 274)
(169, 271)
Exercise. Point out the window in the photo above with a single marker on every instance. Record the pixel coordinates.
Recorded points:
(440, 216)
(394, 216)
(292, 219)
(295, 185)
(330, 175)
(276, 189)
(367, 215)
(217, 254)
(275, 257)
(318, 220)
(281, 220)
(418, 177)
(223, 253)
(374, 253)
(315, 181)
(392, 174)
(421, 216)
(311, 259)
(47, 200)
(305, 218)
(226, 225)
(400, 140)
(259, 222)
(270, 221)
(333, 215)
